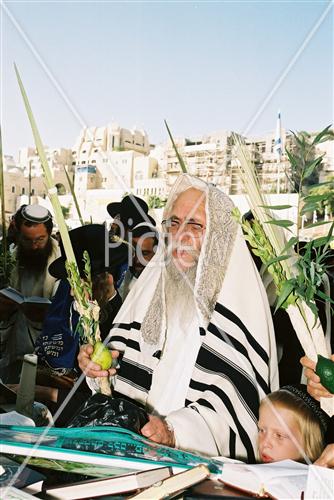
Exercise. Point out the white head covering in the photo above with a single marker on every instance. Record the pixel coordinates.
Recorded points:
(215, 253)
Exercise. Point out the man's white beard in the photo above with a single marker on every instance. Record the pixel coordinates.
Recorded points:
(179, 291)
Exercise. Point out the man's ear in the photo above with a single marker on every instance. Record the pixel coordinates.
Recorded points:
(110, 279)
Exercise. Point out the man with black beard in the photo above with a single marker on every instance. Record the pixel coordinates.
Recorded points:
(34, 252)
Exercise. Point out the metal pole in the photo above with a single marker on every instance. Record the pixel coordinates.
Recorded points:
(278, 175)
(29, 183)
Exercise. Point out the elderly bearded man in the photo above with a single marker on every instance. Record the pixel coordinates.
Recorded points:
(196, 332)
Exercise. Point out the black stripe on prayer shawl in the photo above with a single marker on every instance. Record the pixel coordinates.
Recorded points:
(133, 344)
(232, 442)
(210, 361)
(130, 370)
(132, 384)
(237, 321)
(241, 431)
(127, 326)
(116, 338)
(229, 339)
(229, 406)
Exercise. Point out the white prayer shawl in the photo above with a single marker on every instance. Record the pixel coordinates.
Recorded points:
(236, 364)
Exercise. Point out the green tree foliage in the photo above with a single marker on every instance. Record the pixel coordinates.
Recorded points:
(325, 194)
(155, 201)
(304, 160)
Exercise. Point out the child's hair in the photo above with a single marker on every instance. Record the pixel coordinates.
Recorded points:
(312, 421)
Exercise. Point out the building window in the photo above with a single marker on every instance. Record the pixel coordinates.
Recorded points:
(13, 189)
(93, 161)
(23, 191)
(73, 162)
(83, 151)
(32, 191)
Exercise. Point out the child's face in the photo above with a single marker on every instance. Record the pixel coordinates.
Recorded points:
(279, 434)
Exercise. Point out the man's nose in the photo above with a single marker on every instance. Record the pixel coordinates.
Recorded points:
(184, 235)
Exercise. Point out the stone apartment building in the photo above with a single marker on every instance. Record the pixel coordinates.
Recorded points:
(212, 158)
(106, 162)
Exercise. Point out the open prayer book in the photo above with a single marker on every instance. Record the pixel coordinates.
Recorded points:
(280, 480)
(16, 296)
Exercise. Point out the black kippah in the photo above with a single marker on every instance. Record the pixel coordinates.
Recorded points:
(300, 391)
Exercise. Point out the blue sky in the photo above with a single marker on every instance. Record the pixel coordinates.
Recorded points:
(204, 66)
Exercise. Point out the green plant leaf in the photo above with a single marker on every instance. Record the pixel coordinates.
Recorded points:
(179, 157)
(286, 291)
(292, 158)
(292, 241)
(315, 197)
(325, 297)
(47, 174)
(276, 207)
(319, 242)
(321, 223)
(329, 237)
(281, 223)
(323, 136)
(274, 260)
(312, 166)
(308, 208)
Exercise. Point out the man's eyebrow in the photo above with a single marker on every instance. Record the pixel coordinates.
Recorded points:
(193, 220)
(174, 217)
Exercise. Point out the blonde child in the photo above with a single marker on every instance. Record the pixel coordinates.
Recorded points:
(291, 426)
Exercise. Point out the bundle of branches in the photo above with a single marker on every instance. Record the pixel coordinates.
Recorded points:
(300, 278)
(89, 311)
(81, 287)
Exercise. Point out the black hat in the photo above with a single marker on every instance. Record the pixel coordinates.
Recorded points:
(144, 228)
(131, 211)
(300, 392)
(93, 238)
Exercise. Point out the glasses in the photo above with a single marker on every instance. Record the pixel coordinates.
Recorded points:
(36, 241)
(173, 226)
